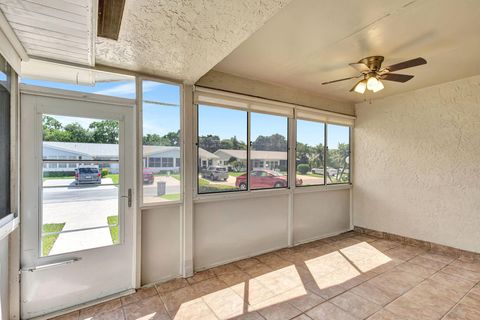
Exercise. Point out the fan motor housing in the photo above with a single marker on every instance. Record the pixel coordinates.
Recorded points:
(373, 62)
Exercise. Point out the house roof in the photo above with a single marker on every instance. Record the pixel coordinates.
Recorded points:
(255, 154)
(85, 149)
(105, 150)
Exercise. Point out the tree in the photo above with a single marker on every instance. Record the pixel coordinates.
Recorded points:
(77, 133)
(152, 140)
(172, 138)
(105, 131)
(210, 143)
(50, 123)
(275, 142)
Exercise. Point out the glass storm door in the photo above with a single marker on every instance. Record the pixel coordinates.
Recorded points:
(77, 200)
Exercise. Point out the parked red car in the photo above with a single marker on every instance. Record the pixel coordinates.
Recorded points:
(148, 176)
(263, 179)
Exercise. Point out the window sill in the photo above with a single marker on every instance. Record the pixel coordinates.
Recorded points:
(8, 224)
(149, 206)
(331, 187)
(240, 195)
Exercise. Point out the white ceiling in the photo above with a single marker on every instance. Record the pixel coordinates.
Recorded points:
(54, 29)
(312, 41)
(182, 39)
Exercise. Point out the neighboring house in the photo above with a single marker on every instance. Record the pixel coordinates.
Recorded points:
(80, 152)
(156, 158)
(273, 160)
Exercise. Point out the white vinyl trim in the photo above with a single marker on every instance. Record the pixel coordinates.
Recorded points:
(10, 47)
(8, 224)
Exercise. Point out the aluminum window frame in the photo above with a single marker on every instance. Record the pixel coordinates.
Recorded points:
(199, 194)
(197, 153)
(139, 79)
(350, 130)
(324, 155)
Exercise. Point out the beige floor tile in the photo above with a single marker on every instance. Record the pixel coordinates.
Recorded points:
(109, 315)
(396, 282)
(438, 257)
(416, 269)
(370, 292)
(141, 293)
(69, 316)
(325, 292)
(196, 309)
(258, 270)
(421, 303)
(280, 311)
(355, 305)
(253, 292)
(246, 263)
(273, 261)
(95, 311)
(226, 303)
(328, 311)
(462, 273)
(468, 265)
(472, 299)
(384, 245)
(249, 316)
(208, 286)
(235, 277)
(147, 308)
(173, 300)
(387, 315)
(171, 285)
(227, 268)
(462, 312)
(455, 287)
(302, 317)
(404, 252)
(428, 263)
(200, 276)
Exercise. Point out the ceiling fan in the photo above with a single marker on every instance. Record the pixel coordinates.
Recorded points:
(372, 72)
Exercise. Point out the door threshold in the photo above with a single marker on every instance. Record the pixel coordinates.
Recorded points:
(84, 305)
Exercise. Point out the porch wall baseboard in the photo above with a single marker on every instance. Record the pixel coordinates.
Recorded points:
(434, 247)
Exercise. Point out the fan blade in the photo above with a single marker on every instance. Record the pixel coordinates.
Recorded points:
(396, 77)
(360, 67)
(328, 82)
(406, 64)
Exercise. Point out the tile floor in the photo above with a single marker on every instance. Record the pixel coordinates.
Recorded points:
(350, 276)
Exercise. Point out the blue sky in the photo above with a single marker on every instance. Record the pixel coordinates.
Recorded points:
(226, 123)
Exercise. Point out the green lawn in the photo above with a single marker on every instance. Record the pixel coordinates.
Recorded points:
(113, 225)
(171, 197)
(206, 186)
(235, 174)
(63, 178)
(113, 176)
(49, 240)
(313, 175)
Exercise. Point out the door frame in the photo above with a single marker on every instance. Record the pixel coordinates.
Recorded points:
(44, 92)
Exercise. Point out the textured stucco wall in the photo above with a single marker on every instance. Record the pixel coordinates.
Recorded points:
(417, 164)
(225, 81)
(182, 39)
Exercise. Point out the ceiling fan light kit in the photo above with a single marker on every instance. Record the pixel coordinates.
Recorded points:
(372, 72)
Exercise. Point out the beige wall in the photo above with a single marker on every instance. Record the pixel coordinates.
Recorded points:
(228, 82)
(417, 164)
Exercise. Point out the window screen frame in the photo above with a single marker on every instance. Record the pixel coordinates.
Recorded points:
(139, 80)
(249, 150)
(7, 137)
(197, 152)
(349, 182)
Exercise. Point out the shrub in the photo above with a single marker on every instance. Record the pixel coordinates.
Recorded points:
(303, 168)
(58, 174)
(104, 173)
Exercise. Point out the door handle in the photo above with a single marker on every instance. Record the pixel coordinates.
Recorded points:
(129, 197)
